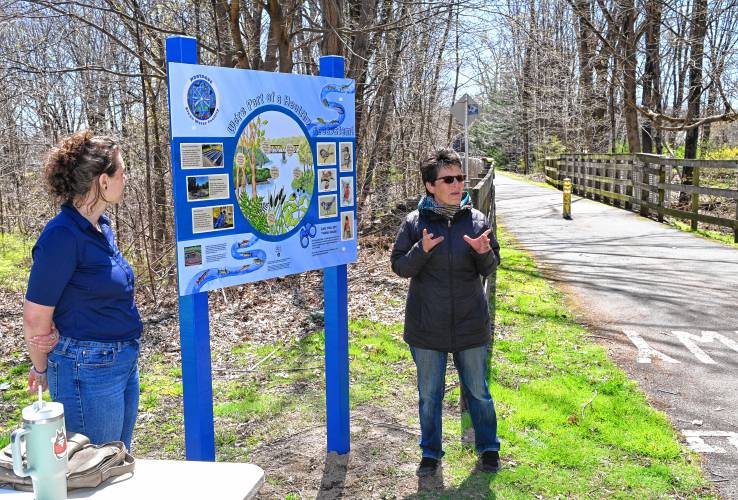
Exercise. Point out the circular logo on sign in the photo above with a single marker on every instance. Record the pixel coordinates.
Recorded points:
(202, 100)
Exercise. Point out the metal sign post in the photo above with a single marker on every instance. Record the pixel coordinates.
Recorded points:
(466, 112)
(466, 138)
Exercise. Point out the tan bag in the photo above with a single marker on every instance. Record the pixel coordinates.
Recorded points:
(89, 464)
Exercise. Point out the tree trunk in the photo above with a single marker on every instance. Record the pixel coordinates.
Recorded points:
(362, 12)
(456, 75)
(696, 50)
(586, 90)
(627, 15)
(651, 95)
(385, 95)
(332, 11)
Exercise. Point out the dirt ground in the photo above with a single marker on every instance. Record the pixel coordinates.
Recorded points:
(384, 451)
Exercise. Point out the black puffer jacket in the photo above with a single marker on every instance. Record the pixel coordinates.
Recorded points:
(446, 308)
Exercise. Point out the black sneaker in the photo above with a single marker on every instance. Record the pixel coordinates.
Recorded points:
(427, 467)
(490, 461)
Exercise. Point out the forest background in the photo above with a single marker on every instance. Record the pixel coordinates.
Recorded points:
(551, 75)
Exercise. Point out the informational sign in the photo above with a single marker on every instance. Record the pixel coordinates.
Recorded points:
(264, 174)
(465, 105)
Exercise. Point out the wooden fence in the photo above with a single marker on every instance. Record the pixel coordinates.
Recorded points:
(482, 192)
(653, 185)
(482, 188)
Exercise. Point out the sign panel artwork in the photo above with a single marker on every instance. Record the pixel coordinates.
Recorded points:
(264, 174)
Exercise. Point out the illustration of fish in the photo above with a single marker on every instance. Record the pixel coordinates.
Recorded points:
(223, 271)
(243, 243)
(244, 267)
(201, 278)
(258, 261)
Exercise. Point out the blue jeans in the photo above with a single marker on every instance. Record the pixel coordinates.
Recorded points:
(472, 367)
(97, 382)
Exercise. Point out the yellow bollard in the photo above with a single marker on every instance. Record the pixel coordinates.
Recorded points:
(567, 199)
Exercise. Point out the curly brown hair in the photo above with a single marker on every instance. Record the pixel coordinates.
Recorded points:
(76, 162)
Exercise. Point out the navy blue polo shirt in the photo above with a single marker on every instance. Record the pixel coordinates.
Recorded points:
(80, 271)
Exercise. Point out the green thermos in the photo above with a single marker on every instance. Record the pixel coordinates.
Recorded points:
(45, 440)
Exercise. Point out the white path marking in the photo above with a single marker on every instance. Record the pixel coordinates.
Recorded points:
(695, 441)
(645, 351)
(708, 337)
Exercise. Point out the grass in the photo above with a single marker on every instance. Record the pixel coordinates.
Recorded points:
(726, 238)
(571, 423)
(379, 361)
(13, 375)
(521, 177)
(15, 261)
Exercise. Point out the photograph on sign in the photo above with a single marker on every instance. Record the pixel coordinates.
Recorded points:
(206, 219)
(207, 187)
(193, 255)
(195, 155)
(326, 153)
(347, 226)
(347, 191)
(328, 206)
(347, 157)
(327, 180)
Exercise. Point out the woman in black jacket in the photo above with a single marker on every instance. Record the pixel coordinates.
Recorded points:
(445, 248)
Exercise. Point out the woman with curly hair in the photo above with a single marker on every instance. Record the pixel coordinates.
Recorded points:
(81, 284)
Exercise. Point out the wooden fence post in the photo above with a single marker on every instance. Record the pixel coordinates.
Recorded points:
(630, 175)
(645, 188)
(695, 197)
(662, 181)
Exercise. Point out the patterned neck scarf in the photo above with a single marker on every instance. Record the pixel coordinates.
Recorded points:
(428, 202)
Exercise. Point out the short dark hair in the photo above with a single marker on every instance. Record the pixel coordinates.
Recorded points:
(440, 158)
(76, 162)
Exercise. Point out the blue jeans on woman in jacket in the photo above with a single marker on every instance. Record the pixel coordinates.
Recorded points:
(471, 365)
(97, 382)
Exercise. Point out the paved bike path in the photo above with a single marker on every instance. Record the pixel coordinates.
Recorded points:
(665, 303)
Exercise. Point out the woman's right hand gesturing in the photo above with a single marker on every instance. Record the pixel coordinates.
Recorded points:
(429, 242)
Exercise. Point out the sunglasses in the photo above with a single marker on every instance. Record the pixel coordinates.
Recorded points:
(449, 179)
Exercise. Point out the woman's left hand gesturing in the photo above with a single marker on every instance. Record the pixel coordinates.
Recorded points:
(481, 244)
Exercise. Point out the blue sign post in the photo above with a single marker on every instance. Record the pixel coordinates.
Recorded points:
(335, 299)
(263, 170)
(194, 331)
